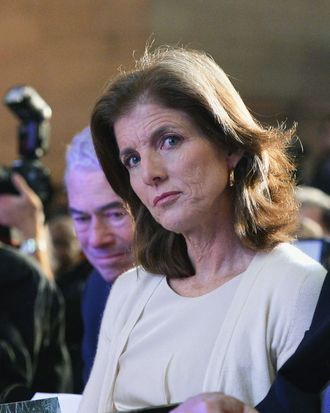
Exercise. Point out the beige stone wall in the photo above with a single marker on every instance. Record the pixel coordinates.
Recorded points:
(66, 50)
(272, 48)
(277, 53)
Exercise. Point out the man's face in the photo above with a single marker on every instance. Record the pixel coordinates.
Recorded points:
(102, 225)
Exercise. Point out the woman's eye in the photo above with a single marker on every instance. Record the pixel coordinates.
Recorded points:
(170, 141)
(131, 161)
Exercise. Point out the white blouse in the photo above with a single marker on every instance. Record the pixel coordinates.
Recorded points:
(169, 319)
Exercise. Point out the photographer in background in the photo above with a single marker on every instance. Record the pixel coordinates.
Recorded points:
(21, 208)
(33, 353)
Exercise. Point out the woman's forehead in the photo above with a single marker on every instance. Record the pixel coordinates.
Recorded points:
(146, 120)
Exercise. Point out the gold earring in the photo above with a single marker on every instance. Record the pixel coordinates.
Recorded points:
(231, 178)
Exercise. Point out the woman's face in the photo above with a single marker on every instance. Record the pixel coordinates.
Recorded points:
(177, 173)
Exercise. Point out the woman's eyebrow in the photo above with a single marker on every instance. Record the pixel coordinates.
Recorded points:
(125, 152)
(152, 138)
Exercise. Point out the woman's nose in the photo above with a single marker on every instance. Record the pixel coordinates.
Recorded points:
(153, 169)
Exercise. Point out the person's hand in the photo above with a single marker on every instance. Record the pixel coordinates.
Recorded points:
(23, 211)
(213, 403)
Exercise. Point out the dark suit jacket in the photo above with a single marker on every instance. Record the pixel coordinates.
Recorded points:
(300, 380)
(33, 354)
(94, 299)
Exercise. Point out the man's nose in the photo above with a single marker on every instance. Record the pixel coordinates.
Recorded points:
(100, 234)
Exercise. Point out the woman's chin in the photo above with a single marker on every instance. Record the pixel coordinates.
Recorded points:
(177, 226)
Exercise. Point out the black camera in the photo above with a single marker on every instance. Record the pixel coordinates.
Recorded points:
(33, 142)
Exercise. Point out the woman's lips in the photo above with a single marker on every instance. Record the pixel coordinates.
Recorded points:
(165, 198)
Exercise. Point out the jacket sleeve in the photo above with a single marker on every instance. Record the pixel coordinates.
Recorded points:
(53, 371)
(300, 380)
(33, 354)
(15, 365)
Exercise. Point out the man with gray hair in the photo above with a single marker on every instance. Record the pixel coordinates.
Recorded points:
(104, 230)
(102, 224)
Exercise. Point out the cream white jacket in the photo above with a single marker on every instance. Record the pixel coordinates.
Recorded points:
(278, 290)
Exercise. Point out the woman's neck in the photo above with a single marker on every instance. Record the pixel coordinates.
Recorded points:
(218, 256)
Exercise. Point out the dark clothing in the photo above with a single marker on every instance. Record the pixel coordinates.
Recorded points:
(93, 303)
(72, 284)
(321, 177)
(300, 380)
(33, 354)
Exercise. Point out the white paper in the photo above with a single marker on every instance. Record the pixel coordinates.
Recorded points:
(69, 402)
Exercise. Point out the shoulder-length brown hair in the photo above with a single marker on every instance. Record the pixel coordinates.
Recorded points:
(190, 81)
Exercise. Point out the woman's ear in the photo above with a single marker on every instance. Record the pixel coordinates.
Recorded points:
(233, 157)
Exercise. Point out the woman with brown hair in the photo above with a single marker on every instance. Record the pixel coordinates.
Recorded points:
(219, 299)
